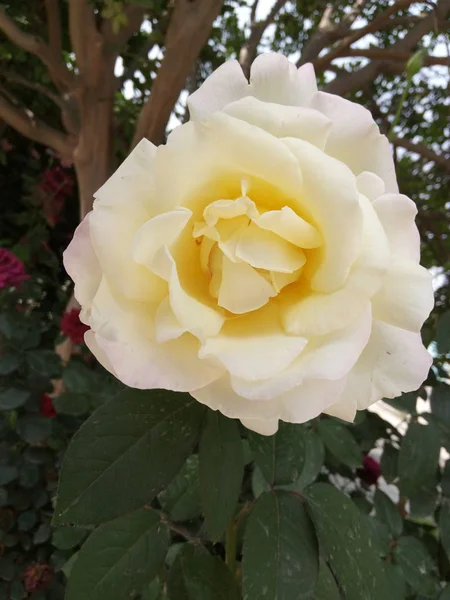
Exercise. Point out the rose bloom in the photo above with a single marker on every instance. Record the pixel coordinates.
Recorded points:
(263, 260)
(72, 327)
(12, 269)
(47, 408)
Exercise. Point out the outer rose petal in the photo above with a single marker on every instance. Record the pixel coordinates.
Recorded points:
(393, 362)
(81, 263)
(124, 331)
(226, 84)
(255, 346)
(283, 121)
(327, 357)
(355, 138)
(406, 297)
(136, 174)
(397, 213)
(297, 406)
(273, 79)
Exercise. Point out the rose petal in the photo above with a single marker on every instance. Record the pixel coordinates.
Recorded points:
(124, 331)
(226, 84)
(157, 233)
(328, 357)
(298, 406)
(254, 346)
(290, 226)
(273, 78)
(330, 194)
(355, 138)
(370, 185)
(396, 213)
(263, 249)
(393, 362)
(283, 121)
(406, 297)
(81, 263)
(167, 326)
(242, 289)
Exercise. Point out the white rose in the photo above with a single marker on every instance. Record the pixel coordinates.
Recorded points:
(263, 260)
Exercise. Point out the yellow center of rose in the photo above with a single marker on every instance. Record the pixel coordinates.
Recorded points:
(249, 252)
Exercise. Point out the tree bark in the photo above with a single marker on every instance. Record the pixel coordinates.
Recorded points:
(189, 29)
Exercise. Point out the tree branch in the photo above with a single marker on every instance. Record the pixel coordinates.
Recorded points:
(328, 32)
(54, 25)
(85, 39)
(249, 50)
(424, 151)
(58, 71)
(188, 31)
(134, 15)
(25, 122)
(380, 22)
(385, 54)
(41, 89)
(362, 78)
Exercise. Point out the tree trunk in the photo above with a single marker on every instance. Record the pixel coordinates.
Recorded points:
(93, 156)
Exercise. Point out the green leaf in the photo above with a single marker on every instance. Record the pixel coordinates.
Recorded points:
(119, 558)
(34, 428)
(396, 581)
(326, 586)
(445, 481)
(125, 453)
(340, 442)
(26, 520)
(207, 578)
(314, 459)
(259, 484)
(70, 403)
(17, 591)
(10, 362)
(346, 541)
(445, 594)
(280, 555)
(280, 456)
(440, 401)
(443, 334)
(423, 501)
(418, 457)
(79, 379)
(388, 513)
(389, 463)
(12, 398)
(196, 575)
(66, 538)
(7, 474)
(416, 565)
(181, 499)
(444, 526)
(42, 533)
(221, 471)
(45, 362)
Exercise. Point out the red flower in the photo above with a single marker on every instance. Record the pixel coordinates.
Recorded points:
(370, 472)
(37, 576)
(47, 407)
(12, 269)
(57, 185)
(72, 327)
